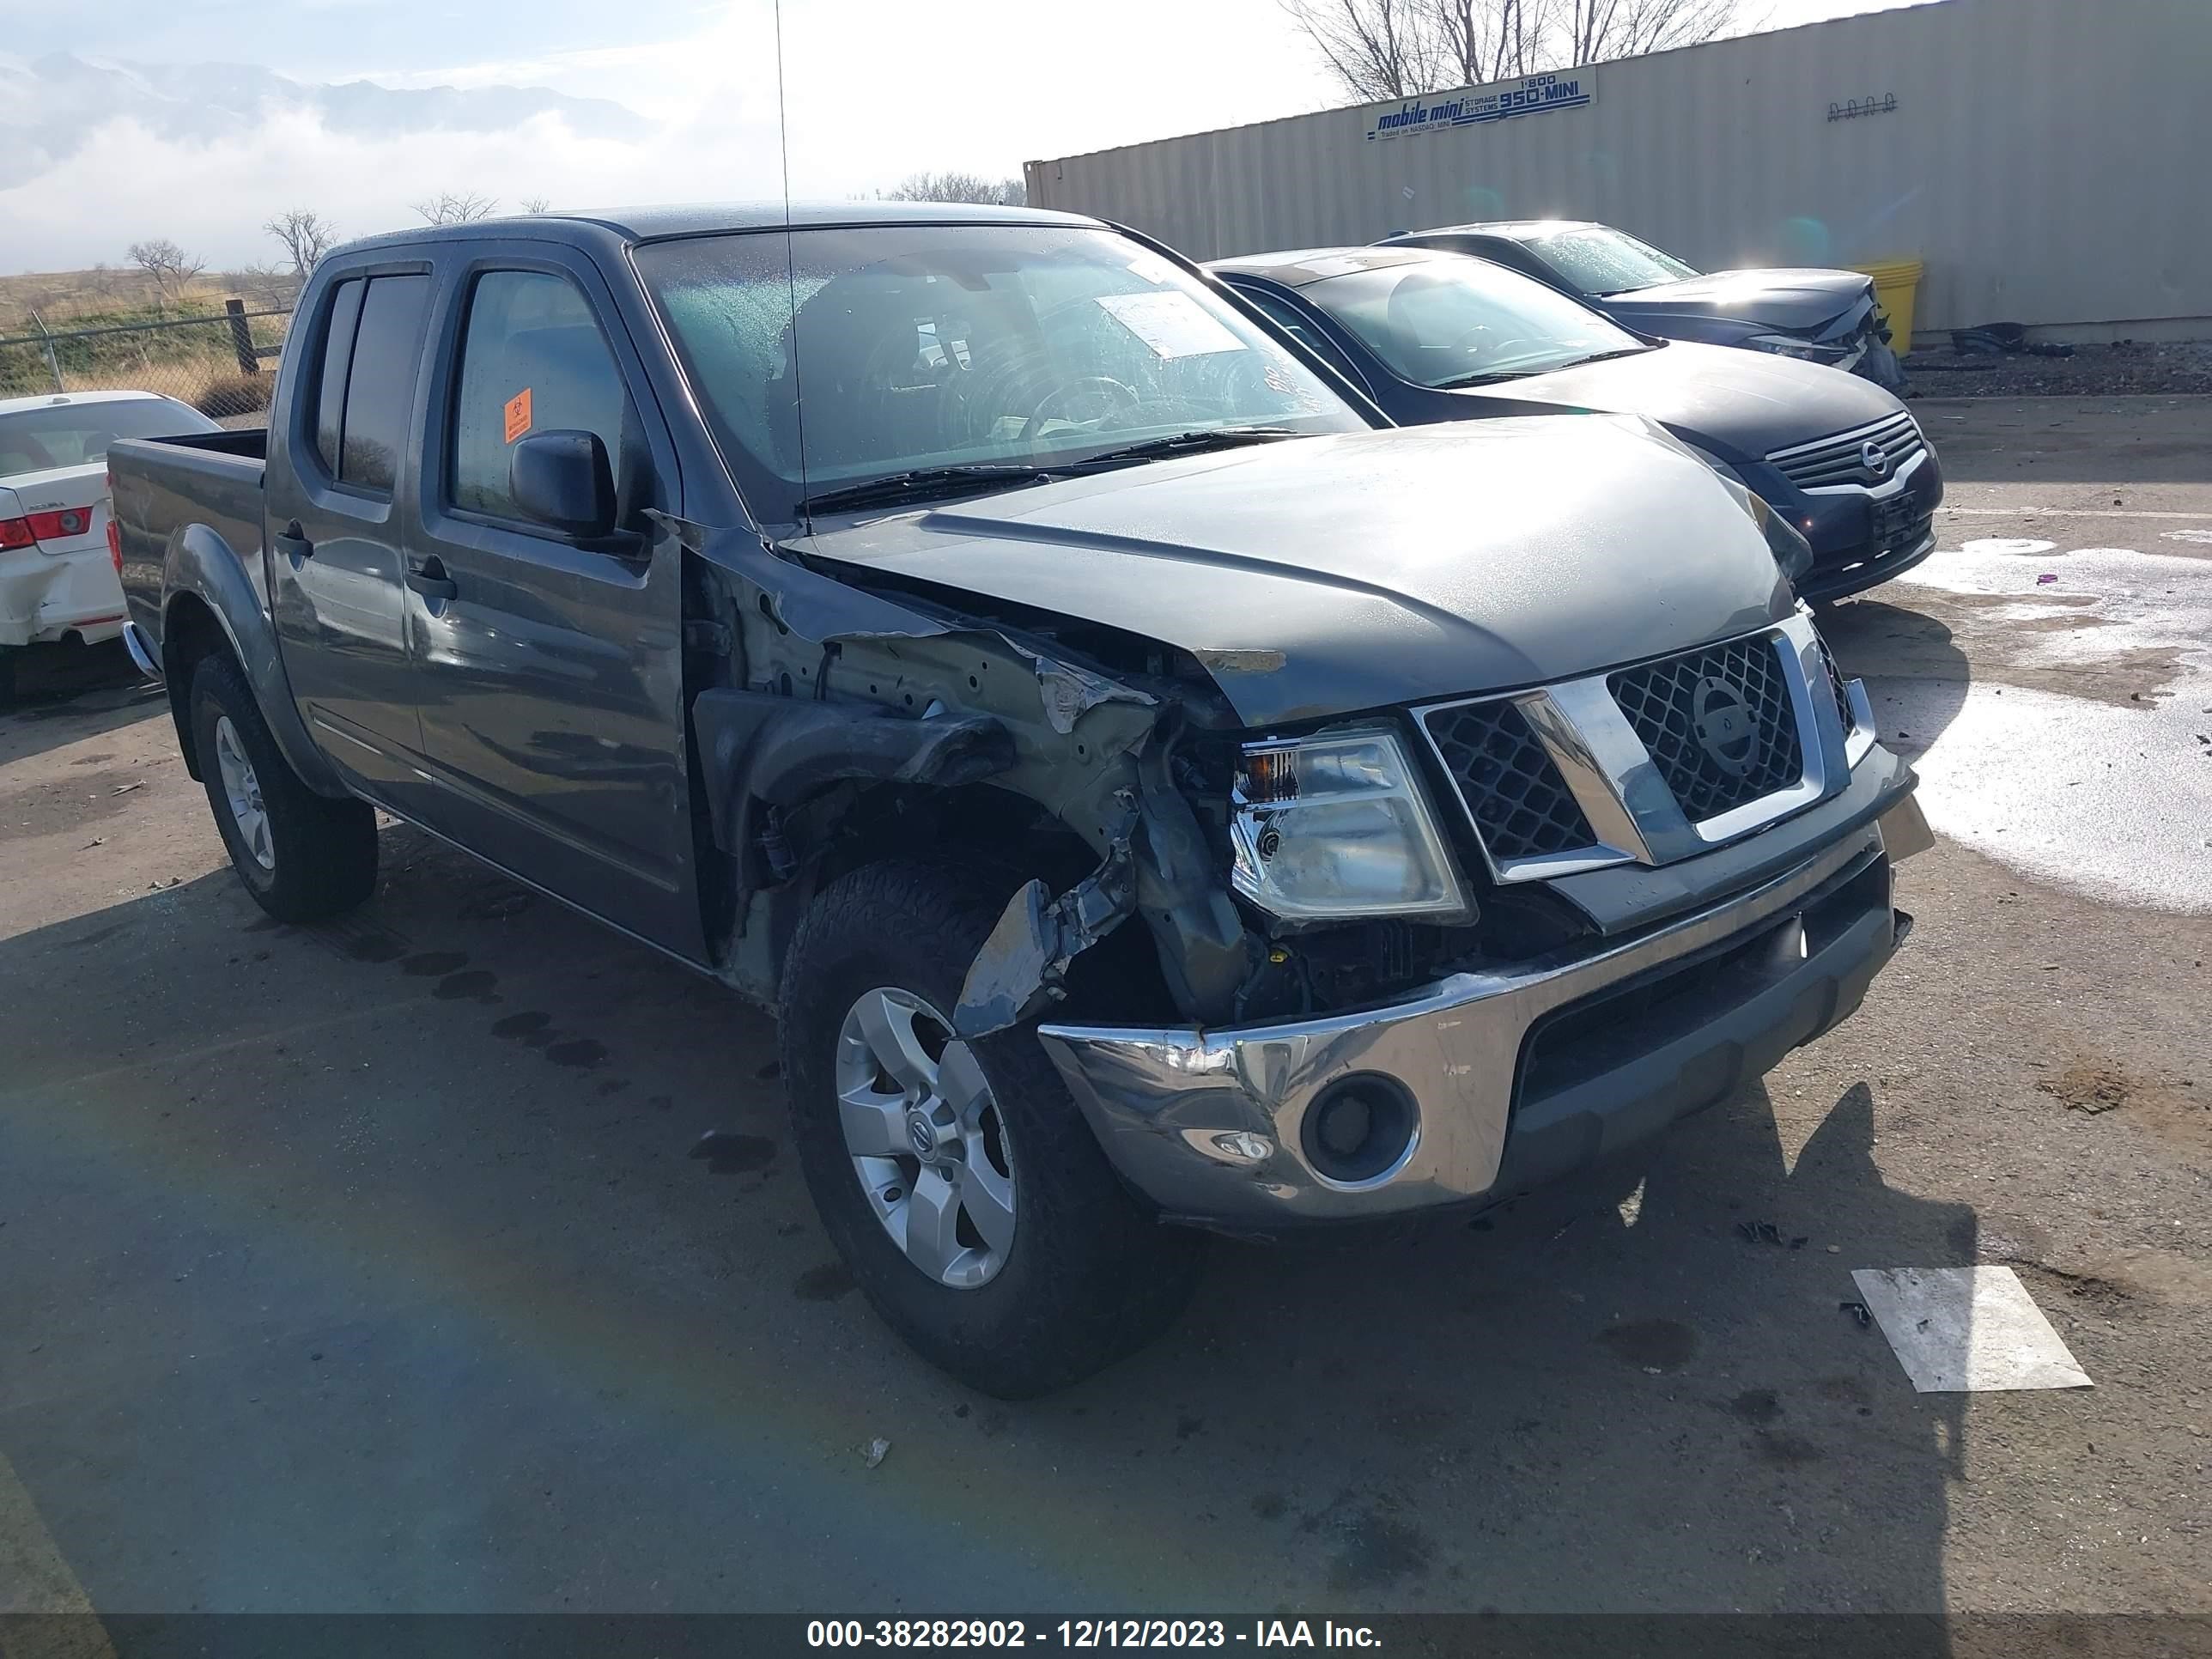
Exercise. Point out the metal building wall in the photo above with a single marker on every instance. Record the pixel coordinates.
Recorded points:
(2047, 158)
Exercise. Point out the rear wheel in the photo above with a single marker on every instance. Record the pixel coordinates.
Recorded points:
(303, 857)
(959, 1180)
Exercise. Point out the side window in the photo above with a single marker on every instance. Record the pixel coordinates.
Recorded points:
(1284, 317)
(337, 352)
(532, 360)
(379, 388)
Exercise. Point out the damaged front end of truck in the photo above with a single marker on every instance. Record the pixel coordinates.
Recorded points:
(1106, 774)
(1317, 931)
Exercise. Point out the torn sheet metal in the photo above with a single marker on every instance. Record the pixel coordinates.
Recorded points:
(1069, 691)
(1966, 1329)
(1022, 966)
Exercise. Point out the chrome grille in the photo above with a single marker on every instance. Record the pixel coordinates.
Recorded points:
(1665, 702)
(1518, 800)
(1827, 463)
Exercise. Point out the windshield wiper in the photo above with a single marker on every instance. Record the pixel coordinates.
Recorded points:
(1488, 377)
(1606, 356)
(921, 485)
(1187, 443)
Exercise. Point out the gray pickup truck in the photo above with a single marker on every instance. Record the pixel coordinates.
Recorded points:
(1153, 794)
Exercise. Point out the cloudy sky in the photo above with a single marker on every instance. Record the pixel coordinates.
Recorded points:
(111, 131)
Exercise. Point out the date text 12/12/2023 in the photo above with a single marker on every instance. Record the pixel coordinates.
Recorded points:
(989, 1635)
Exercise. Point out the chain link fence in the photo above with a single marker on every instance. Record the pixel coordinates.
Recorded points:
(223, 364)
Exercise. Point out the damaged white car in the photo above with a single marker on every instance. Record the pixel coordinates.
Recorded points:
(58, 581)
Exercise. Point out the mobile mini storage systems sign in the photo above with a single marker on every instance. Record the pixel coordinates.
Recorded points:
(1531, 95)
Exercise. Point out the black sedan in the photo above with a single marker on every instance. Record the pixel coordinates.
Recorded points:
(1818, 316)
(1438, 337)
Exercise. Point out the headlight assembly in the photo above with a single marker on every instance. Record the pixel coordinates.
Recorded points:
(1334, 827)
(1788, 345)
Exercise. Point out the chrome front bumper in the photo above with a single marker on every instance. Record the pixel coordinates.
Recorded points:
(1209, 1124)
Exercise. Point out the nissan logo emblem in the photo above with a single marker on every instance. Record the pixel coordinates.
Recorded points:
(1875, 458)
(1723, 721)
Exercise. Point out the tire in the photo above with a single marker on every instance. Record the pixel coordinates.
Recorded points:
(1088, 1275)
(308, 857)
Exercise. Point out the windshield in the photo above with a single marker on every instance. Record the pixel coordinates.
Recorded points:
(926, 346)
(1598, 260)
(1453, 322)
(76, 435)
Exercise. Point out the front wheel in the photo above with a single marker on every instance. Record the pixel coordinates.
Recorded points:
(959, 1180)
(302, 856)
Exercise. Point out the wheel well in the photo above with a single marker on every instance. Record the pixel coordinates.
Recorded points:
(973, 824)
(1011, 836)
(189, 634)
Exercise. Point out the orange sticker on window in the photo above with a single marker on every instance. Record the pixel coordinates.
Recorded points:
(518, 415)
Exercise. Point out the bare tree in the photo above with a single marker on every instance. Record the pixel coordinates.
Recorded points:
(535, 204)
(306, 235)
(269, 283)
(169, 266)
(456, 208)
(1481, 40)
(953, 186)
(1593, 31)
(1375, 49)
(1383, 49)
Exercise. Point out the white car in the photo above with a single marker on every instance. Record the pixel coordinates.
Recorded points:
(58, 576)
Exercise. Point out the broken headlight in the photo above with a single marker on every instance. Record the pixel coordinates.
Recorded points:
(1337, 826)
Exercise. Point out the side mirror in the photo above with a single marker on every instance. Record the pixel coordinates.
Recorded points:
(563, 481)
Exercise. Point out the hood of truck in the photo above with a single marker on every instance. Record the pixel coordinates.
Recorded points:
(1793, 301)
(1323, 576)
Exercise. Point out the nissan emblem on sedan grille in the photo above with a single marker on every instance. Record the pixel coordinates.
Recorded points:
(1722, 720)
(1875, 458)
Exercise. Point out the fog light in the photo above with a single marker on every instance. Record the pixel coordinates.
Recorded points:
(1242, 1143)
(1360, 1127)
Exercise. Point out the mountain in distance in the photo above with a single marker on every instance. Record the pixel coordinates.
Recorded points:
(50, 106)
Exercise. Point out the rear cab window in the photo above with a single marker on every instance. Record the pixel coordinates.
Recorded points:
(365, 386)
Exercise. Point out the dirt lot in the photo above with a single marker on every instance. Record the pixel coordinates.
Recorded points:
(365, 1268)
(2128, 369)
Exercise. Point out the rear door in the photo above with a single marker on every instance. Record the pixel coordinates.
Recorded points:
(550, 670)
(335, 564)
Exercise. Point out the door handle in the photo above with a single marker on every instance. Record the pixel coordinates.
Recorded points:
(292, 541)
(430, 580)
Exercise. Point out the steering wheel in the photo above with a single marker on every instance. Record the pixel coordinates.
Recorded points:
(1118, 395)
(1473, 341)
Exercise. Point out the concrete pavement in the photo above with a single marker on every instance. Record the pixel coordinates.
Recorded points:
(364, 1267)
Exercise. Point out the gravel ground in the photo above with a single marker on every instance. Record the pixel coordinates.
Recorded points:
(2131, 368)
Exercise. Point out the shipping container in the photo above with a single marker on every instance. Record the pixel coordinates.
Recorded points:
(2046, 159)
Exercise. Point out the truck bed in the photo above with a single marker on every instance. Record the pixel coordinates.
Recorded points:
(164, 486)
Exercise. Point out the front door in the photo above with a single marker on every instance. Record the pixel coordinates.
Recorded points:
(335, 567)
(550, 671)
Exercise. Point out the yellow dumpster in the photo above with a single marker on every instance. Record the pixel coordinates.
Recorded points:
(1896, 284)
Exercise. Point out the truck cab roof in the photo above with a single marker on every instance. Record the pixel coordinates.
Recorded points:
(654, 224)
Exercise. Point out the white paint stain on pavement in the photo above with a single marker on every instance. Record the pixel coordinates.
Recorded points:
(2114, 799)
(1962, 1329)
(2189, 536)
(2014, 545)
